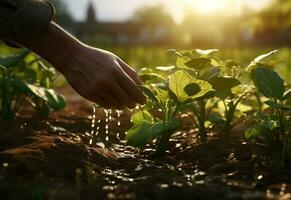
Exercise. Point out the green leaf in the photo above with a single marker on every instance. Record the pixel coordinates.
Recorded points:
(258, 61)
(149, 93)
(55, 101)
(12, 60)
(181, 62)
(151, 77)
(178, 82)
(206, 52)
(2, 69)
(274, 105)
(162, 95)
(256, 131)
(27, 74)
(223, 86)
(209, 73)
(175, 52)
(165, 68)
(141, 117)
(20, 86)
(268, 82)
(262, 57)
(287, 95)
(141, 134)
(198, 63)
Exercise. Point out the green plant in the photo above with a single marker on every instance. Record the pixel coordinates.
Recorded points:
(180, 90)
(273, 126)
(26, 78)
(226, 78)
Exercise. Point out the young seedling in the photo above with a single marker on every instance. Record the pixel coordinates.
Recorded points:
(224, 78)
(24, 78)
(272, 127)
(181, 90)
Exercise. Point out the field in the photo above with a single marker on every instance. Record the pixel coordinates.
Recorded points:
(216, 126)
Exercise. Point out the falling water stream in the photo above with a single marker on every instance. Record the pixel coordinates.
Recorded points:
(96, 126)
(118, 122)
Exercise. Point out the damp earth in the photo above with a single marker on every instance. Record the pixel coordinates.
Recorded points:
(81, 153)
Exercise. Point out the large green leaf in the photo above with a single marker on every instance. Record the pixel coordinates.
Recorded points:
(181, 79)
(268, 82)
(141, 134)
(198, 63)
(12, 60)
(223, 86)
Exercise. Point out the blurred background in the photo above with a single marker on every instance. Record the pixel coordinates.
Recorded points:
(141, 31)
(183, 23)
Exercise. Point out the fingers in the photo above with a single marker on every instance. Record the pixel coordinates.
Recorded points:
(122, 96)
(130, 87)
(130, 72)
(109, 101)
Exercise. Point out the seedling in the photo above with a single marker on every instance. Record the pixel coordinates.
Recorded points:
(26, 78)
(181, 90)
(273, 127)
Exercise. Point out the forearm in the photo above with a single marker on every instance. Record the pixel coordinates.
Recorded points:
(55, 45)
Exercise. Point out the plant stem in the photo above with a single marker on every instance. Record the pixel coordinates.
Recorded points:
(202, 118)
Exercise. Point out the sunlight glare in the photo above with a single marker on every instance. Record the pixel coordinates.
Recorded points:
(208, 6)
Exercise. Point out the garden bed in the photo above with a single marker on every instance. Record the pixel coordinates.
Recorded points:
(53, 159)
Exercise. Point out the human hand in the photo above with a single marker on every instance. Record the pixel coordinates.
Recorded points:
(95, 74)
(103, 78)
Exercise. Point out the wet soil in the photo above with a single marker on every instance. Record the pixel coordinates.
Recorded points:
(52, 159)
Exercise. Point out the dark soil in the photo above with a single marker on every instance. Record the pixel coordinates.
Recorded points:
(50, 159)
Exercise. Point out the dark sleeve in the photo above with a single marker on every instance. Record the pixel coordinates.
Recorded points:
(24, 17)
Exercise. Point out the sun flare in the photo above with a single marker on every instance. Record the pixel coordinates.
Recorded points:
(208, 6)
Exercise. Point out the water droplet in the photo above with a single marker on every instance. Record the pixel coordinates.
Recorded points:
(106, 116)
(118, 117)
(110, 115)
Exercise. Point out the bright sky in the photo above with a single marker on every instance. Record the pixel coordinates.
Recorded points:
(119, 10)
